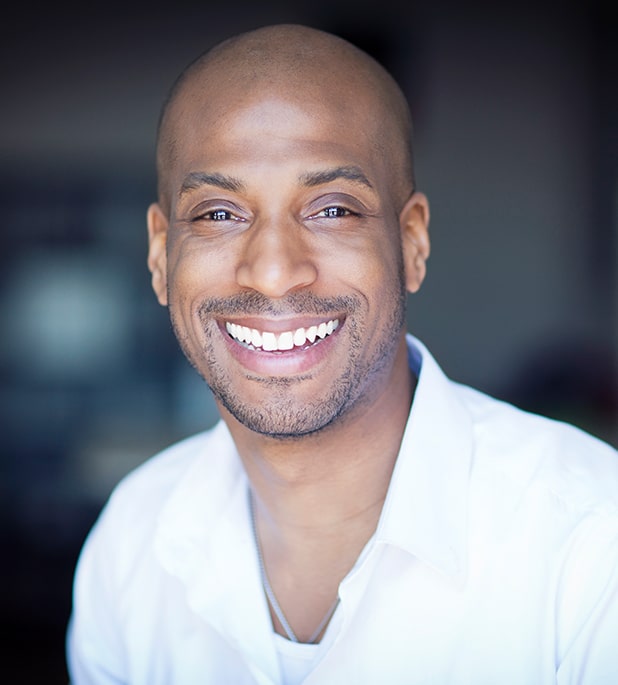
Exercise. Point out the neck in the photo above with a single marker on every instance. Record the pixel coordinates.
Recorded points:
(327, 480)
(317, 499)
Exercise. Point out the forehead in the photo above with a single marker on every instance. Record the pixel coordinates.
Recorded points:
(291, 97)
(216, 123)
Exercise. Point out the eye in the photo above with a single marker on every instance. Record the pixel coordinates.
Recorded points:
(217, 215)
(334, 212)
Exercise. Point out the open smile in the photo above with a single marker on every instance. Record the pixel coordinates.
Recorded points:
(268, 341)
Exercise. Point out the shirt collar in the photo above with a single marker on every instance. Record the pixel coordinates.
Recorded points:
(203, 538)
(209, 498)
(425, 512)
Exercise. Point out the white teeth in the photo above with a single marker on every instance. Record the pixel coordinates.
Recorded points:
(311, 333)
(286, 340)
(299, 337)
(271, 342)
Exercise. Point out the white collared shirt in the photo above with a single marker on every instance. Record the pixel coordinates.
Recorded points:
(495, 561)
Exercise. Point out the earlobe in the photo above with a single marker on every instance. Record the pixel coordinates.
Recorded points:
(158, 225)
(414, 224)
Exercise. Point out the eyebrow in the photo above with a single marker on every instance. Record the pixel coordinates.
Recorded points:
(196, 179)
(351, 173)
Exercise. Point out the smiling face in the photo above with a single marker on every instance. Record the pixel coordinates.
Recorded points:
(278, 243)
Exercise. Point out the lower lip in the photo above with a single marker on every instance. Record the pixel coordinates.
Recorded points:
(298, 360)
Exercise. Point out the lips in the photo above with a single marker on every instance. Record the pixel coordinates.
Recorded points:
(268, 341)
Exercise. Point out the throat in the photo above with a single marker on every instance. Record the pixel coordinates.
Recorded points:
(298, 633)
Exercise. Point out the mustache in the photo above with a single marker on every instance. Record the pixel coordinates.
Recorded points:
(255, 303)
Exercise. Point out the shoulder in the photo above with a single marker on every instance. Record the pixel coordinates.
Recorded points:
(513, 454)
(128, 520)
(530, 450)
(151, 483)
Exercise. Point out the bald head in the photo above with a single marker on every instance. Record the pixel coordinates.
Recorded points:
(299, 63)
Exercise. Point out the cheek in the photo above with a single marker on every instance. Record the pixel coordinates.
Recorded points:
(196, 270)
(195, 274)
(370, 266)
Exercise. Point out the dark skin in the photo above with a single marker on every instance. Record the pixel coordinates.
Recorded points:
(286, 201)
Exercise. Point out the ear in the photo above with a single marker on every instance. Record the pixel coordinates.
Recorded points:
(414, 222)
(157, 255)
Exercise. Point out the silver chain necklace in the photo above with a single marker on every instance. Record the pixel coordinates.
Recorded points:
(271, 595)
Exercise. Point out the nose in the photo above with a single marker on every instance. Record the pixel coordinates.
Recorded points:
(276, 258)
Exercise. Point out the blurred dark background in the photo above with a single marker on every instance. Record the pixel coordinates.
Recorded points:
(516, 115)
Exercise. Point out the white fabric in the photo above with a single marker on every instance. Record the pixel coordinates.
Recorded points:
(295, 659)
(495, 561)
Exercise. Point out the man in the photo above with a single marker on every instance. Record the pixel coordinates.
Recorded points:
(356, 517)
